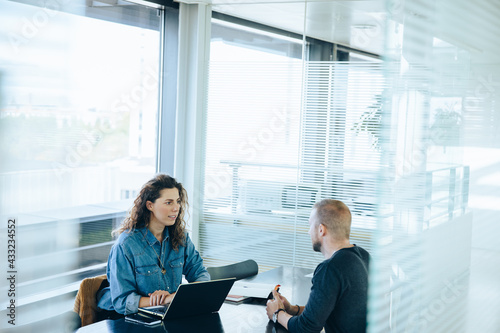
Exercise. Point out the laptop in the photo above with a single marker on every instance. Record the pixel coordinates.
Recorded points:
(193, 299)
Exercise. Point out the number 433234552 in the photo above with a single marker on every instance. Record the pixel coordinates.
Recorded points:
(11, 243)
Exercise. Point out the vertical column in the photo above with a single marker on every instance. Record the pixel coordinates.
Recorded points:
(194, 51)
(168, 91)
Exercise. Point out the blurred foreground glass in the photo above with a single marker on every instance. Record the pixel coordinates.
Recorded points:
(78, 120)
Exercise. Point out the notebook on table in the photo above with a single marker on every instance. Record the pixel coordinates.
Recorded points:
(193, 299)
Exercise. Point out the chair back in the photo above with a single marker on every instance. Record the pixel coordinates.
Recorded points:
(238, 270)
(86, 301)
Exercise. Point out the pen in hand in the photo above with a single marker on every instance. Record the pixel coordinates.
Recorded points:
(277, 288)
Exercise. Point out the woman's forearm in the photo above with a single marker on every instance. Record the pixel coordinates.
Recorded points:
(144, 301)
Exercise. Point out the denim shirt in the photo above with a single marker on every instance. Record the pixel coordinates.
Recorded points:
(134, 271)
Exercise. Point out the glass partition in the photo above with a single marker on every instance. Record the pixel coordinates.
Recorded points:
(79, 88)
(396, 117)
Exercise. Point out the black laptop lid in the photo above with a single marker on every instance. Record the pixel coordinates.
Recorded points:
(199, 298)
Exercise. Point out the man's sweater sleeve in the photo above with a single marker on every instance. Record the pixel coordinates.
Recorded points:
(324, 293)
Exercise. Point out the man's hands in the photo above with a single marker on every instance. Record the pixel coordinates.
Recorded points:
(273, 305)
(160, 297)
(277, 303)
(286, 305)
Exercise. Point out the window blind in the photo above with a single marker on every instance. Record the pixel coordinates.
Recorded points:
(280, 137)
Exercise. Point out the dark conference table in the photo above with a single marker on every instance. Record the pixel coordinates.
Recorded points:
(249, 316)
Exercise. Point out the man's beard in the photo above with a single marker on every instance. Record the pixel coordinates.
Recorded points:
(317, 246)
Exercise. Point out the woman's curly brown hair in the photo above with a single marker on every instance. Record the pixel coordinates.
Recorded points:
(140, 215)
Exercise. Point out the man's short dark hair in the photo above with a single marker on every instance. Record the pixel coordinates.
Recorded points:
(335, 216)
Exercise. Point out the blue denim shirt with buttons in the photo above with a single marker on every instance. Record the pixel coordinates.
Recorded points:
(134, 270)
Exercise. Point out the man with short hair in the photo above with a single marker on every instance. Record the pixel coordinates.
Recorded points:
(339, 289)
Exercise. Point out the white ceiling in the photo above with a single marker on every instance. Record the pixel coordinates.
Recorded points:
(358, 24)
(463, 24)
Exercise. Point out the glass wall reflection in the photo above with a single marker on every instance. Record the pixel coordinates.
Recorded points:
(78, 113)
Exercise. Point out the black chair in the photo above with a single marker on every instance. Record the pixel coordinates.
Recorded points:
(239, 270)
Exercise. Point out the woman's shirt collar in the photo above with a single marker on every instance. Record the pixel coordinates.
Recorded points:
(150, 238)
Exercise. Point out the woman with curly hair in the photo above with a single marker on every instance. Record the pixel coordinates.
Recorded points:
(153, 250)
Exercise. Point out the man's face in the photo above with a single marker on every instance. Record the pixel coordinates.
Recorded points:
(313, 231)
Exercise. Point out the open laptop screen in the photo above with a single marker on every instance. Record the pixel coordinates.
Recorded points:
(194, 299)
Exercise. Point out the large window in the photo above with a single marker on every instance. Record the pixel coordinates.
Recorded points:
(251, 148)
(79, 106)
(278, 139)
(78, 122)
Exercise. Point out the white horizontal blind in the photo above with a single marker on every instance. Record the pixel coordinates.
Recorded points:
(340, 148)
(279, 137)
(251, 149)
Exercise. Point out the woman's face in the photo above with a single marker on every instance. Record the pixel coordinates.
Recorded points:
(165, 209)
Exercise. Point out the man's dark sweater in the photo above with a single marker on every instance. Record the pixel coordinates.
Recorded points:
(338, 295)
